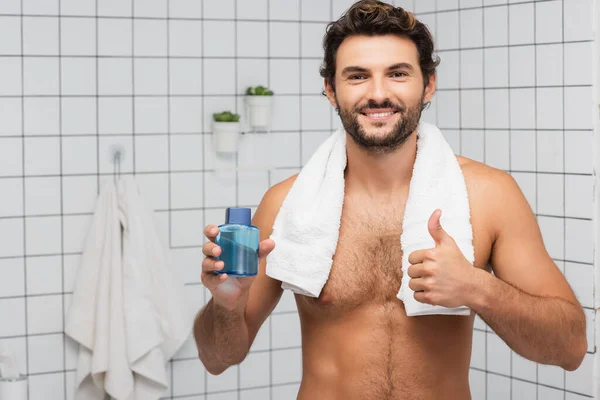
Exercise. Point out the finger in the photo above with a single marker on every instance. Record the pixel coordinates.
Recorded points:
(417, 284)
(211, 265)
(265, 247)
(417, 256)
(211, 232)
(415, 271)
(423, 297)
(211, 249)
(210, 280)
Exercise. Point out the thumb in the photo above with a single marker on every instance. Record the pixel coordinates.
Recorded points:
(265, 247)
(435, 228)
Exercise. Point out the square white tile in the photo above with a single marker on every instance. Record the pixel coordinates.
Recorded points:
(10, 76)
(314, 10)
(185, 76)
(497, 149)
(495, 26)
(522, 66)
(40, 76)
(551, 375)
(448, 111)
(579, 193)
(498, 387)
(44, 314)
(115, 76)
(252, 39)
(285, 76)
(448, 5)
(548, 393)
(218, 39)
(218, 75)
(13, 277)
(522, 108)
(11, 230)
(315, 112)
(472, 145)
(187, 228)
(549, 65)
(255, 370)
(284, 10)
(44, 275)
(221, 9)
(471, 28)
(472, 111)
(229, 395)
(105, 147)
(10, 31)
(448, 72)
(286, 113)
(581, 279)
(40, 36)
(497, 109)
(151, 153)
(11, 156)
(11, 115)
(150, 37)
(47, 386)
(42, 156)
(188, 377)
(522, 390)
(79, 155)
(185, 9)
(424, 6)
(42, 196)
(578, 17)
(579, 237)
(12, 310)
(255, 394)
(312, 38)
(187, 261)
(187, 190)
(77, 35)
(115, 8)
(287, 366)
(470, 3)
(10, 7)
(115, 37)
(550, 151)
(310, 141)
(12, 197)
(340, 7)
(228, 380)
(41, 115)
(43, 235)
(77, 7)
(553, 234)
(224, 187)
(477, 383)
(548, 21)
(75, 232)
(550, 193)
(150, 77)
(578, 152)
(284, 39)
(215, 105)
(150, 8)
(579, 109)
(78, 76)
(185, 37)
(257, 9)
(151, 114)
(521, 17)
(185, 115)
(19, 349)
(447, 34)
(478, 352)
(251, 72)
(155, 188)
(251, 187)
(471, 64)
(581, 380)
(578, 63)
(285, 331)
(46, 353)
(115, 115)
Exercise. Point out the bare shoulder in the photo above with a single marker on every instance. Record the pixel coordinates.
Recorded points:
(271, 203)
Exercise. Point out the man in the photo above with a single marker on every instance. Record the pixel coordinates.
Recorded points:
(357, 341)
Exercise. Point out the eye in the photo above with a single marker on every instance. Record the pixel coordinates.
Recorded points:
(399, 74)
(355, 77)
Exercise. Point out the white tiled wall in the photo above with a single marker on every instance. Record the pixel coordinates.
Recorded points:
(515, 87)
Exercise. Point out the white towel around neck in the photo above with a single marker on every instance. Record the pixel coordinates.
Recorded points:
(306, 229)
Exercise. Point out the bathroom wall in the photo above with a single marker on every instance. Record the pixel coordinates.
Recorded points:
(79, 77)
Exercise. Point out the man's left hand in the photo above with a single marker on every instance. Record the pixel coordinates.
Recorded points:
(440, 275)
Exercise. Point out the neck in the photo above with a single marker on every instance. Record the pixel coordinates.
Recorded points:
(377, 175)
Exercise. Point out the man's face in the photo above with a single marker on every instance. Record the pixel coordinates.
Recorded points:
(379, 90)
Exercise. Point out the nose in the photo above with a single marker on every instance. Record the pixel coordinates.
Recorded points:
(378, 90)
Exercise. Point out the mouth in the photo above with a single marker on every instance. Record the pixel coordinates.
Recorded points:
(379, 115)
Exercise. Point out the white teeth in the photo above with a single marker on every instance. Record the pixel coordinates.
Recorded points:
(380, 115)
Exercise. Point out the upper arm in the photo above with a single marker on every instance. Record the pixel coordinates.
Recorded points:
(519, 256)
(265, 291)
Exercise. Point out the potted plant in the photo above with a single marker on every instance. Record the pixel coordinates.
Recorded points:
(226, 129)
(259, 100)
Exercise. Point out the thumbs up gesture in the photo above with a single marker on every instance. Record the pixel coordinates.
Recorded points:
(440, 275)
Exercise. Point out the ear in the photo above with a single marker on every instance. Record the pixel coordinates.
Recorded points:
(329, 92)
(430, 88)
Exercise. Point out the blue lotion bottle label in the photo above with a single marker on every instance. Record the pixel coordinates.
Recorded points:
(239, 241)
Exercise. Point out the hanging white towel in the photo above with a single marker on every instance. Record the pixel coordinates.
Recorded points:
(306, 229)
(128, 313)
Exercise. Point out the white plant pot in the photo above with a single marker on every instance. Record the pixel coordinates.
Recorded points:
(259, 110)
(226, 136)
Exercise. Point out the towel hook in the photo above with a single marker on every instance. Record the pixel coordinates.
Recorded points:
(117, 155)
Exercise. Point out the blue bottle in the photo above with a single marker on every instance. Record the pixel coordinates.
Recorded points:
(239, 241)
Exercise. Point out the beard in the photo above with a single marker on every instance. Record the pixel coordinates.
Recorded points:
(387, 142)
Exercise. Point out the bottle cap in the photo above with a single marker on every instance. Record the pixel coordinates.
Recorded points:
(238, 215)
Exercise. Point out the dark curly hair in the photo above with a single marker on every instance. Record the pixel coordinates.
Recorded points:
(372, 18)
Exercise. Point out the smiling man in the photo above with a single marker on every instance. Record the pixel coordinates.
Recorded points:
(357, 340)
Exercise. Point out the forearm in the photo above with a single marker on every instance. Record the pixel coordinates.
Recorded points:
(547, 330)
(221, 337)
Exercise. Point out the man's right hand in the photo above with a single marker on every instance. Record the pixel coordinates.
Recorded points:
(228, 292)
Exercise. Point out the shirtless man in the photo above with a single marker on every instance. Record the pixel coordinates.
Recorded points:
(357, 341)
